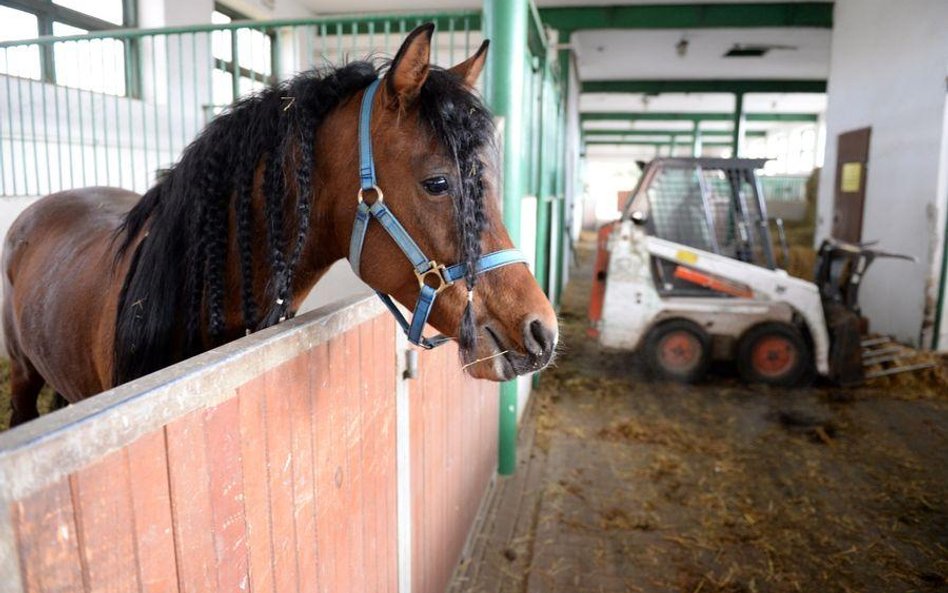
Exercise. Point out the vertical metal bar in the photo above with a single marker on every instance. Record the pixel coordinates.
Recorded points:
(171, 151)
(115, 44)
(354, 38)
(49, 173)
(467, 38)
(211, 101)
(308, 61)
(144, 116)
(59, 139)
(451, 41)
(388, 35)
(737, 138)
(338, 42)
(235, 63)
(82, 133)
(181, 106)
(33, 138)
(153, 174)
(371, 36)
(194, 77)
(105, 113)
(131, 119)
(9, 111)
(322, 38)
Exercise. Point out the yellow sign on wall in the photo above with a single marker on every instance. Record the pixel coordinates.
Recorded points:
(851, 178)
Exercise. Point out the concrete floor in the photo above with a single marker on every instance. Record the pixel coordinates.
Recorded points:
(624, 484)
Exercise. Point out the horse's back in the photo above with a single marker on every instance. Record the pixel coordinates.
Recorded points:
(61, 287)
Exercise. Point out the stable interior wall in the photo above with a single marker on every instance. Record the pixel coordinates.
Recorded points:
(888, 69)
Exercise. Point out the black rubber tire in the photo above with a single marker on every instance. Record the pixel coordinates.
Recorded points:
(779, 346)
(695, 359)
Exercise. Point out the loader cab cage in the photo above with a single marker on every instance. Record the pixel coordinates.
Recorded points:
(712, 204)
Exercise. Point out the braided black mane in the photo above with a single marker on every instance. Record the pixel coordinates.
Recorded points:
(172, 300)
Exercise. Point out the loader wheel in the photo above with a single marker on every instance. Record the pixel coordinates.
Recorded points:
(679, 350)
(774, 354)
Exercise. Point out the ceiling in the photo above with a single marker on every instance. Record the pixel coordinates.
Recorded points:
(336, 6)
(651, 54)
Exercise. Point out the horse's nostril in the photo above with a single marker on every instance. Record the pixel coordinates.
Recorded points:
(538, 338)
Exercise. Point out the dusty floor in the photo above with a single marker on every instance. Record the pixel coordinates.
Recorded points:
(629, 485)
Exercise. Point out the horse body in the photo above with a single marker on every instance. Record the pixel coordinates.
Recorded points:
(58, 309)
(102, 286)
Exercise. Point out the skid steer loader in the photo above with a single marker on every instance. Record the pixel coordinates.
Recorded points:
(688, 274)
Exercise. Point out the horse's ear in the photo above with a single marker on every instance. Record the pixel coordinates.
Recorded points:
(410, 67)
(470, 69)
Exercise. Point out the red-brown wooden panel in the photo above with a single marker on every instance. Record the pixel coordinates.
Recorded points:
(385, 367)
(304, 493)
(226, 491)
(104, 519)
(191, 504)
(151, 501)
(329, 519)
(353, 486)
(279, 382)
(48, 541)
(253, 452)
(373, 503)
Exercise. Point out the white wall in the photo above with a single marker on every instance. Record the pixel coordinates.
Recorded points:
(888, 70)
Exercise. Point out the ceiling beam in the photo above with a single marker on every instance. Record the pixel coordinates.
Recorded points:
(691, 16)
(704, 86)
(697, 116)
(652, 143)
(681, 134)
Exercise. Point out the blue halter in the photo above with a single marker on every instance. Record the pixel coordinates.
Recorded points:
(442, 276)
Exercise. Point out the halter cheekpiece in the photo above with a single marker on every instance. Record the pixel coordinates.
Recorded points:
(433, 277)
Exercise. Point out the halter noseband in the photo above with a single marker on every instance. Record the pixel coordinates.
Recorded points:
(425, 268)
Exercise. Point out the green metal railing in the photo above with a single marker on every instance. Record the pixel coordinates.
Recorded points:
(123, 104)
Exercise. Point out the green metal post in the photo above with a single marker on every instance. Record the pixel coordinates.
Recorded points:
(738, 138)
(671, 145)
(696, 139)
(505, 24)
(564, 154)
(545, 189)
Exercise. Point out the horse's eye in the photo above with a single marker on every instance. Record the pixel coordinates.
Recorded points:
(436, 186)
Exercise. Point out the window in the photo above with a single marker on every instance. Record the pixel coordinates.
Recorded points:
(253, 66)
(102, 68)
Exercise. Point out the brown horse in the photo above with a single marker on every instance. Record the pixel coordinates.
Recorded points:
(102, 286)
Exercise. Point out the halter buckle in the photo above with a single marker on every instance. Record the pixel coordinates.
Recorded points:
(439, 271)
(376, 189)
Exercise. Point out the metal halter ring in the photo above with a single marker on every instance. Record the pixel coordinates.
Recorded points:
(376, 189)
(438, 270)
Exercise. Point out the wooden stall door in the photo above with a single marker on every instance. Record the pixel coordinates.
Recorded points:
(852, 158)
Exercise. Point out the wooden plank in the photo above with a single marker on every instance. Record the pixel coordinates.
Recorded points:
(253, 453)
(279, 382)
(105, 522)
(191, 504)
(226, 492)
(326, 447)
(300, 398)
(385, 346)
(353, 485)
(371, 405)
(151, 502)
(48, 541)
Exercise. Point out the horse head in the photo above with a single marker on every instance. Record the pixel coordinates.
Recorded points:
(436, 169)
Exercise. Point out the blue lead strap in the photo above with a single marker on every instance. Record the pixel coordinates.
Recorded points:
(427, 294)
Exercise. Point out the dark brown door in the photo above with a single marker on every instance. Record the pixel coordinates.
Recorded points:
(852, 158)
